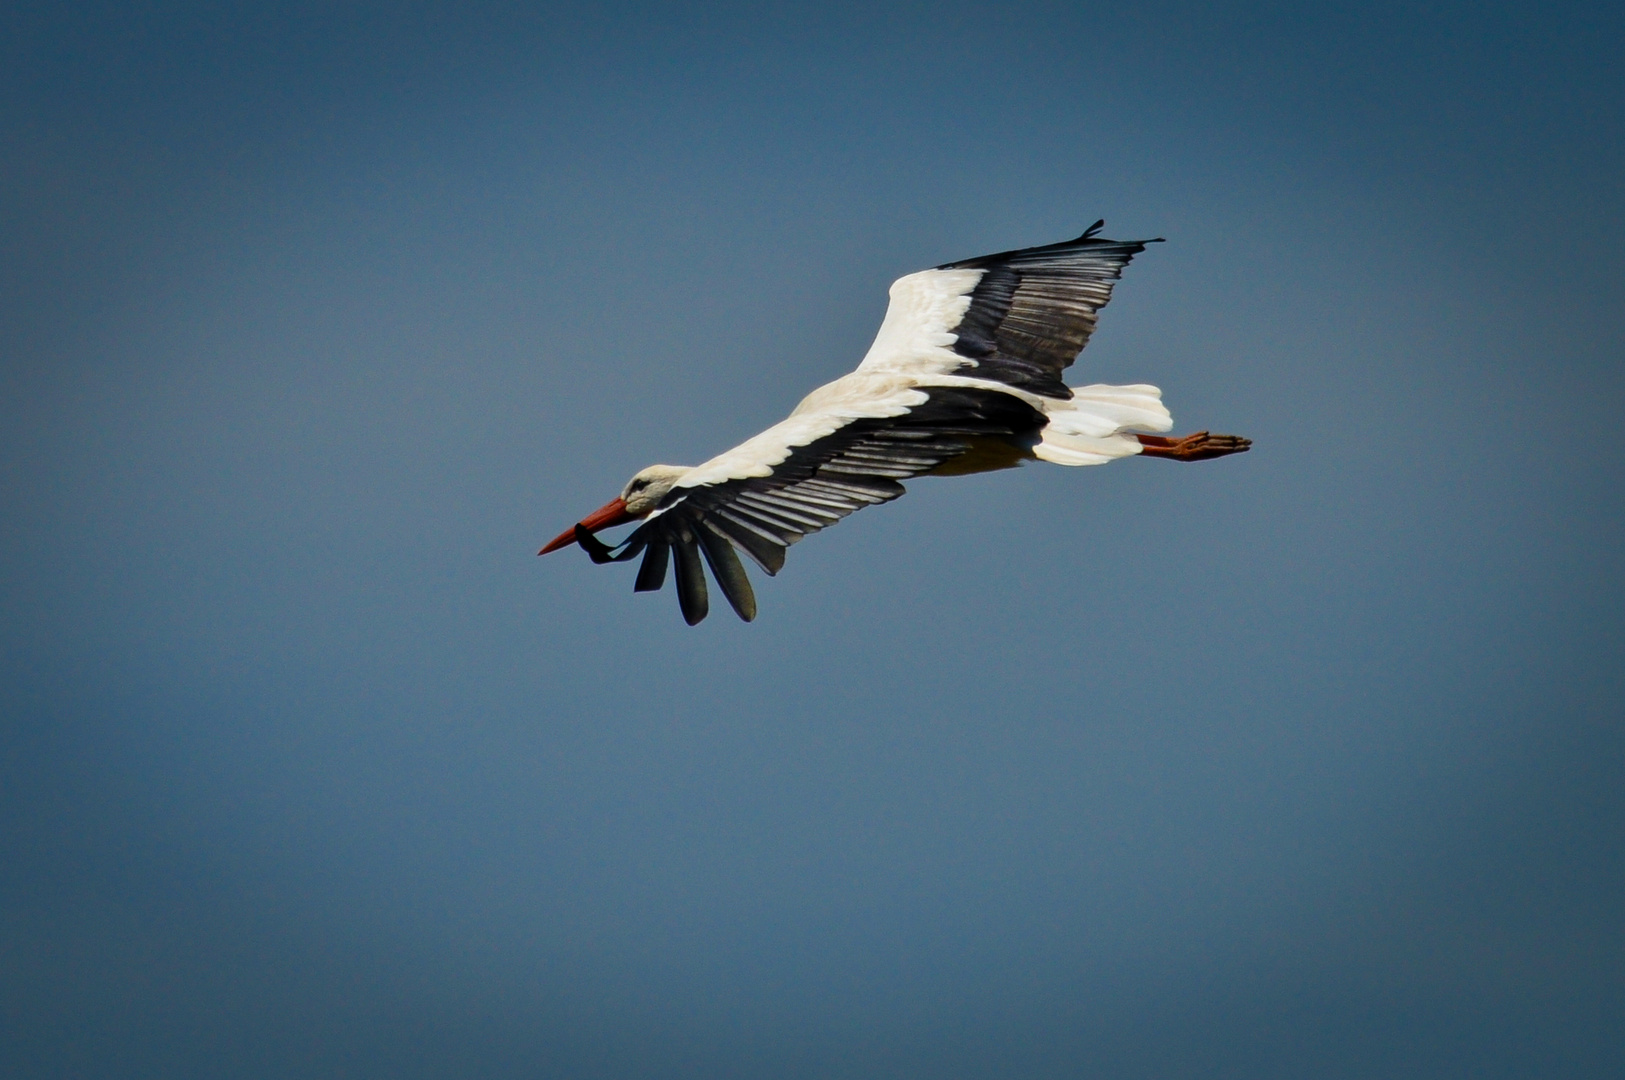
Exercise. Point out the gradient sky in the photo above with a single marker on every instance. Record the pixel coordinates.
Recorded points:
(316, 321)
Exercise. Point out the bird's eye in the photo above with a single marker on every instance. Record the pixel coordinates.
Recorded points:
(639, 485)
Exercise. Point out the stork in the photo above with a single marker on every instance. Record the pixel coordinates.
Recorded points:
(963, 377)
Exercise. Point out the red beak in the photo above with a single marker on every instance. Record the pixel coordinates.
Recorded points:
(613, 514)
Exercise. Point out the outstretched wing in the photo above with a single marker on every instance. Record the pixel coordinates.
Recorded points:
(1019, 317)
(810, 487)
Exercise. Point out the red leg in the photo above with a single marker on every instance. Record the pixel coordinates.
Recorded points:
(1198, 447)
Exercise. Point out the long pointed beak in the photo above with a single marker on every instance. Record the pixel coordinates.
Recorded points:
(602, 518)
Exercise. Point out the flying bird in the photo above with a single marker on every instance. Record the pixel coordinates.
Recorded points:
(963, 377)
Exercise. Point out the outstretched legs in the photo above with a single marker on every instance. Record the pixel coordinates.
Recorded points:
(1198, 447)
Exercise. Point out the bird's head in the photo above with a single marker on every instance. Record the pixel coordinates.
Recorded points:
(637, 500)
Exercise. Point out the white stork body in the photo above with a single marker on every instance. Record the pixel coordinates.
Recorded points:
(964, 376)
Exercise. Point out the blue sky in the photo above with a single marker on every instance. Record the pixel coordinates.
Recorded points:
(317, 321)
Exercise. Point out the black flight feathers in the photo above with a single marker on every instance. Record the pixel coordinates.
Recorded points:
(1033, 310)
(814, 487)
(687, 534)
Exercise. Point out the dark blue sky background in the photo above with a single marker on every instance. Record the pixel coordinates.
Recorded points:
(316, 322)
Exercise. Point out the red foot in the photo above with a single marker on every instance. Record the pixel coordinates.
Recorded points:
(1198, 447)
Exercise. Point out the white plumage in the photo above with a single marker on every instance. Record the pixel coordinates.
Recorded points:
(964, 376)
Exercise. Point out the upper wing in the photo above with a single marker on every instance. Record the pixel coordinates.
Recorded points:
(808, 487)
(1018, 317)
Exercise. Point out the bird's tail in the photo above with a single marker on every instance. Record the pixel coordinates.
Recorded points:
(1092, 428)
